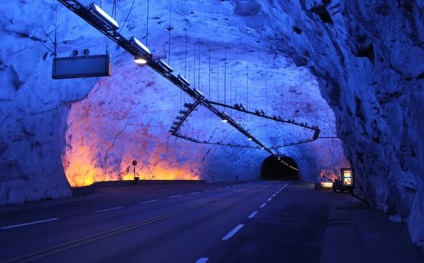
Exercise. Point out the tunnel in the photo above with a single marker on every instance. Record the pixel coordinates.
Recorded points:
(279, 167)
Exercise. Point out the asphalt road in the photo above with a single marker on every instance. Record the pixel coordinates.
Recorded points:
(265, 221)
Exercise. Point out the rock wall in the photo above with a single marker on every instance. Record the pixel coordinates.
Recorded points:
(93, 128)
(368, 58)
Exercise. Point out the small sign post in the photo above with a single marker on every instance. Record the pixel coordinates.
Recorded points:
(134, 163)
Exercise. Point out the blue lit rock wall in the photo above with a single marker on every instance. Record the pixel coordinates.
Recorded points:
(368, 58)
(366, 55)
(91, 129)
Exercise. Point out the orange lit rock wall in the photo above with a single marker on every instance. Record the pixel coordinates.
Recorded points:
(121, 121)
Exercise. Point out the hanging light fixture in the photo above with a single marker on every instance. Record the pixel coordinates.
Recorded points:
(140, 60)
(103, 16)
(140, 46)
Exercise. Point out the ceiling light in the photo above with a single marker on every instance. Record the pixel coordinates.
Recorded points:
(200, 94)
(140, 46)
(224, 117)
(140, 60)
(165, 66)
(102, 15)
(183, 80)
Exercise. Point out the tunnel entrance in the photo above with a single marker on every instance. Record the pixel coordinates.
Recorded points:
(279, 167)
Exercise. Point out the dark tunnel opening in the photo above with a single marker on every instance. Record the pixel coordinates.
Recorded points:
(278, 167)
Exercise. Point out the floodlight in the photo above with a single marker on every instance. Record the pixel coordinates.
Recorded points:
(183, 80)
(140, 46)
(165, 66)
(140, 60)
(102, 15)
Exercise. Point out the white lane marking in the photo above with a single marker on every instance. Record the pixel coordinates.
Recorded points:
(263, 205)
(30, 223)
(286, 185)
(269, 199)
(194, 193)
(274, 195)
(252, 215)
(202, 260)
(109, 209)
(174, 196)
(150, 201)
(232, 232)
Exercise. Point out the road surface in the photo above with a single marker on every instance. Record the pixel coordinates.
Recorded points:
(264, 221)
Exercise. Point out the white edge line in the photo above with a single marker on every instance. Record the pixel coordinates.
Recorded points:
(263, 205)
(174, 196)
(232, 232)
(30, 223)
(202, 260)
(252, 215)
(194, 193)
(109, 209)
(148, 202)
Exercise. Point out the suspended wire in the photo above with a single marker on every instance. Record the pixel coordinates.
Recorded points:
(247, 87)
(210, 70)
(186, 48)
(128, 15)
(169, 28)
(217, 82)
(225, 75)
(147, 22)
(114, 9)
(198, 74)
(194, 64)
(266, 92)
(55, 34)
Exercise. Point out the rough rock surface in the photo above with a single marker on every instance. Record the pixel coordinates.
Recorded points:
(366, 56)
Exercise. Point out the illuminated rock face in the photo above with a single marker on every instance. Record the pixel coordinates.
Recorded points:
(366, 56)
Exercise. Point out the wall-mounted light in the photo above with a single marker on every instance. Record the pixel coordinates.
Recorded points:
(250, 138)
(102, 15)
(140, 46)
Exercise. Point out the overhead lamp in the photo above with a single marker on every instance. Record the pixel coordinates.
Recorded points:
(250, 138)
(102, 15)
(165, 66)
(183, 80)
(140, 60)
(224, 117)
(140, 46)
(200, 94)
